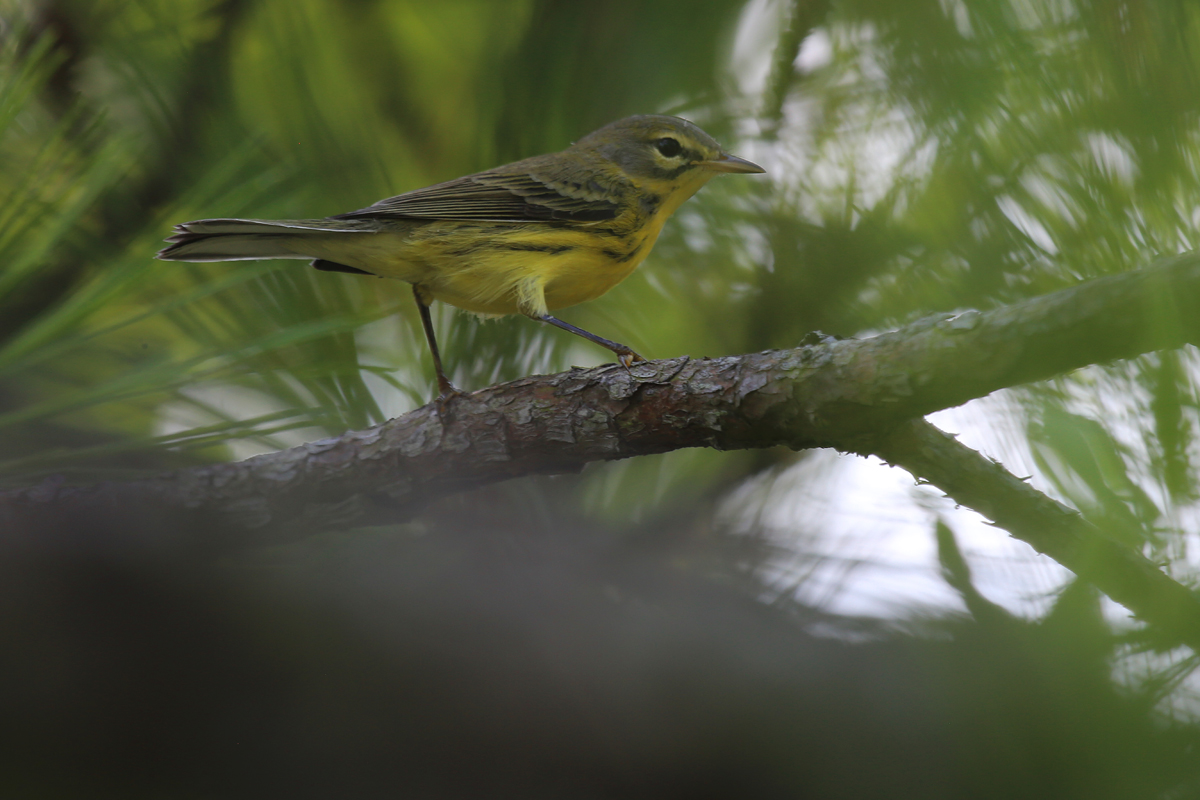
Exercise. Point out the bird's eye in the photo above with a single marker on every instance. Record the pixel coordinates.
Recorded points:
(669, 147)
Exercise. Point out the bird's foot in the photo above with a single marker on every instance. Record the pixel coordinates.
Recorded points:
(628, 358)
(448, 393)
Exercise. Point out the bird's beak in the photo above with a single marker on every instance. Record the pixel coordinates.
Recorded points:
(728, 163)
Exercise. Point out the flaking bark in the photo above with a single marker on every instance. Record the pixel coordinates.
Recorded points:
(834, 393)
(856, 395)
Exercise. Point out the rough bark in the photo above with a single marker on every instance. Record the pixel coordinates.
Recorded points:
(859, 395)
(843, 394)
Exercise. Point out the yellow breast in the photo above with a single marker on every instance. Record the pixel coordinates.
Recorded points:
(497, 268)
(529, 269)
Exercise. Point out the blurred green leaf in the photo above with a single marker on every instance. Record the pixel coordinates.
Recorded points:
(922, 157)
(1088, 466)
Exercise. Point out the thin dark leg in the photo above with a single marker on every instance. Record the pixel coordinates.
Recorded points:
(445, 387)
(624, 354)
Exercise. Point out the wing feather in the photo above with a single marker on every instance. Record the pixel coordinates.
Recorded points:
(520, 192)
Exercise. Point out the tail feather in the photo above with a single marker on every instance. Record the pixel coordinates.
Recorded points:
(208, 247)
(245, 239)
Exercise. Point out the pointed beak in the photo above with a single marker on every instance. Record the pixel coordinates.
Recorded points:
(728, 163)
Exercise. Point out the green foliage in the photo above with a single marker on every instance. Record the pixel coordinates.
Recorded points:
(137, 116)
(923, 157)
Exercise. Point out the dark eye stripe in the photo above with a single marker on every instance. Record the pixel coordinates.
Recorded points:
(671, 174)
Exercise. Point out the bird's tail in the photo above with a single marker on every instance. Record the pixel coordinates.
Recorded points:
(247, 239)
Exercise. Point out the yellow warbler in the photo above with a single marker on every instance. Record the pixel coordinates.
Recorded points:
(528, 237)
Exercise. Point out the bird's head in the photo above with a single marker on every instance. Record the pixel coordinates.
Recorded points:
(665, 154)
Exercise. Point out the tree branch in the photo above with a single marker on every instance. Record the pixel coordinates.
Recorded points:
(977, 482)
(841, 394)
(861, 395)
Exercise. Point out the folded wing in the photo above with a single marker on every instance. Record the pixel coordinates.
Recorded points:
(509, 194)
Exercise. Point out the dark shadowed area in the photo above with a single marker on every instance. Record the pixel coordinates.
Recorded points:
(761, 623)
(489, 658)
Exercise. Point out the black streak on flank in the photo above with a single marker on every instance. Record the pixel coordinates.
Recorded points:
(649, 203)
(619, 257)
(553, 249)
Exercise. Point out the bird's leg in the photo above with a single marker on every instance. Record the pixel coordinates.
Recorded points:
(446, 389)
(624, 354)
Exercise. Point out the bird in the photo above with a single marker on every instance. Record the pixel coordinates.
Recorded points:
(530, 237)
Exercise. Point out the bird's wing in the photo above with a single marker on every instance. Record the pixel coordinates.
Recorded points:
(521, 192)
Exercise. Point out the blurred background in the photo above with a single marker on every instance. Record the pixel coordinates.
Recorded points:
(922, 157)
